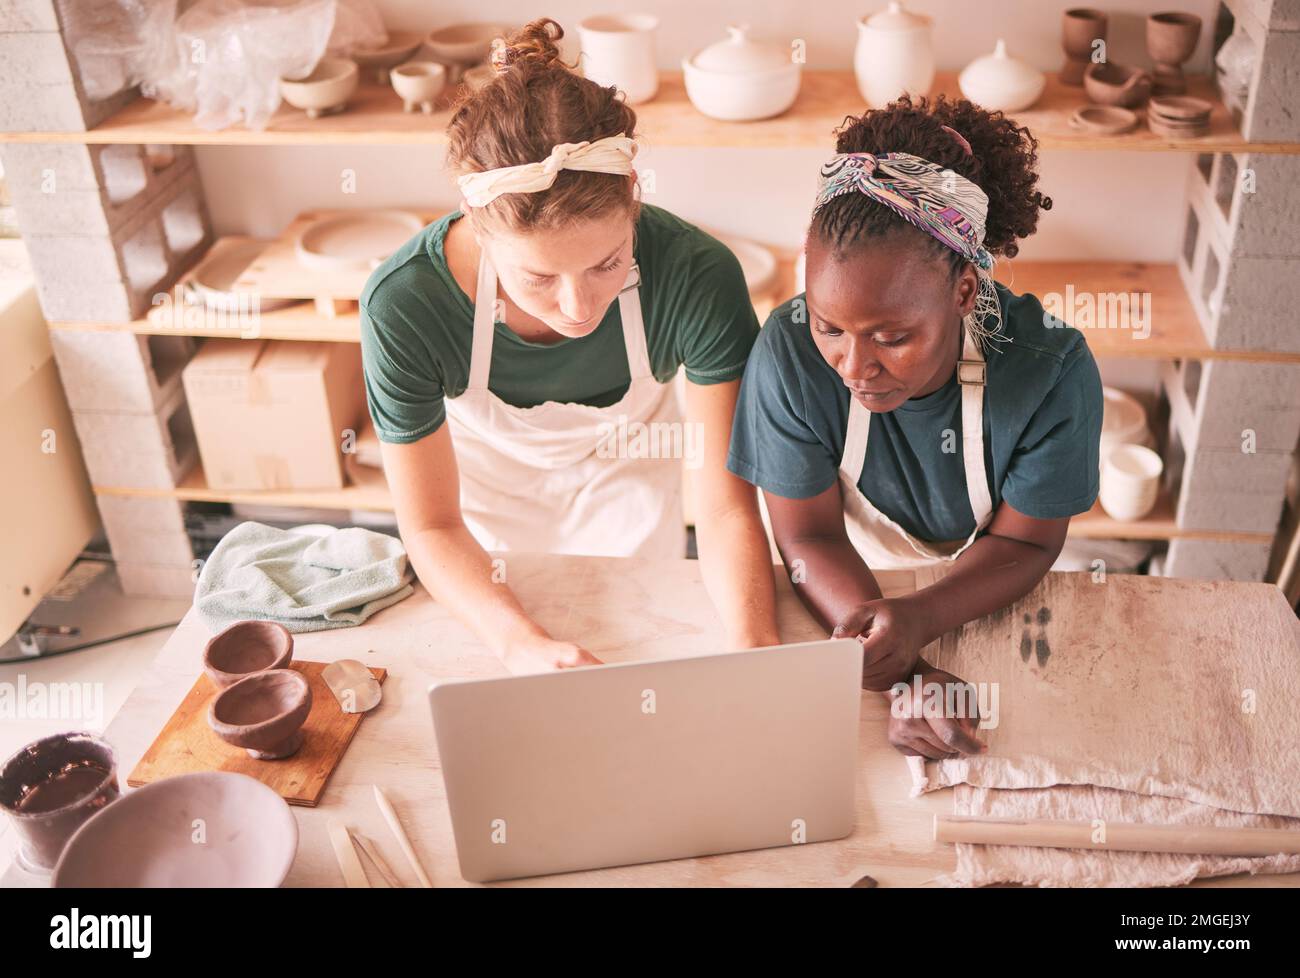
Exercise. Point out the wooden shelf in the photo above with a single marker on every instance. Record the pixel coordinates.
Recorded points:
(1174, 330)
(368, 490)
(1159, 524)
(825, 98)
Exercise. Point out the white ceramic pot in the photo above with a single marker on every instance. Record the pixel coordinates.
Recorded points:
(619, 50)
(1130, 482)
(999, 81)
(419, 83)
(740, 79)
(895, 54)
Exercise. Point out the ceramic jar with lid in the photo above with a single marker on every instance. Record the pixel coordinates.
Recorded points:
(999, 81)
(895, 54)
(741, 78)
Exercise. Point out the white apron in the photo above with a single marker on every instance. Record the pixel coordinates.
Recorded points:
(534, 478)
(882, 543)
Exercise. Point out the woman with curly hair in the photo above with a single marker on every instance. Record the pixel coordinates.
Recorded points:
(983, 415)
(519, 357)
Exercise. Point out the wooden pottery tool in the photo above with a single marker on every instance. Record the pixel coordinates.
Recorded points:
(372, 853)
(390, 816)
(1122, 836)
(353, 875)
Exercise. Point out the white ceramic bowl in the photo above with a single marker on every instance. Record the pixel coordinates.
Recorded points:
(464, 44)
(148, 837)
(327, 89)
(1124, 422)
(1130, 482)
(741, 98)
(418, 84)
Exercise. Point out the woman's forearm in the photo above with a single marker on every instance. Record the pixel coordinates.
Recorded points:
(993, 573)
(460, 575)
(829, 576)
(736, 564)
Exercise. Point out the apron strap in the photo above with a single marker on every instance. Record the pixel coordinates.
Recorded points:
(629, 311)
(485, 307)
(971, 376)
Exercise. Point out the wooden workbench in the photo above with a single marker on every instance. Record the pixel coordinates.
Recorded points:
(620, 610)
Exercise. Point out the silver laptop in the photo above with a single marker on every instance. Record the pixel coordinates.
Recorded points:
(644, 761)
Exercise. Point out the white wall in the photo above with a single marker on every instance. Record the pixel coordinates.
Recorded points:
(1107, 205)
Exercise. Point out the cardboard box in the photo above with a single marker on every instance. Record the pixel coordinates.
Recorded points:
(271, 414)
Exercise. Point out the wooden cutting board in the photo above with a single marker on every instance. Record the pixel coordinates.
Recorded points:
(187, 744)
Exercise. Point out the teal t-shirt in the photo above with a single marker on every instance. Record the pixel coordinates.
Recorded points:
(1042, 426)
(417, 327)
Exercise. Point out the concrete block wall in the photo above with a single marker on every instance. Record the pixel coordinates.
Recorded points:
(144, 450)
(78, 188)
(42, 89)
(1241, 248)
(151, 548)
(110, 370)
(114, 275)
(1268, 112)
(1216, 560)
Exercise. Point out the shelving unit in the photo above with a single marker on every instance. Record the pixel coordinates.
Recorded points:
(375, 117)
(1185, 324)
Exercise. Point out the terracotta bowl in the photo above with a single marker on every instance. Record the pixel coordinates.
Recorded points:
(244, 648)
(148, 837)
(263, 713)
(1113, 84)
(1172, 37)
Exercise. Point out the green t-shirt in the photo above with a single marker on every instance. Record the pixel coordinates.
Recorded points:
(417, 327)
(1042, 426)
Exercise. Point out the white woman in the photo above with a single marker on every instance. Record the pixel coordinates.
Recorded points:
(519, 355)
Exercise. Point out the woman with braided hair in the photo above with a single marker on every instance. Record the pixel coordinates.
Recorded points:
(983, 415)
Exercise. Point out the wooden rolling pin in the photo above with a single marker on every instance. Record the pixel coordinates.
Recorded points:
(1127, 836)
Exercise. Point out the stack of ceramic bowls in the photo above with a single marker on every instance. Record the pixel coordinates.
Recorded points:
(1130, 482)
(1130, 469)
(1178, 116)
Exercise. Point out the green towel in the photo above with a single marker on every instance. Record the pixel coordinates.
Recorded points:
(306, 583)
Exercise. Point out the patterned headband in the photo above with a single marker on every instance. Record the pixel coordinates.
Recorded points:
(943, 204)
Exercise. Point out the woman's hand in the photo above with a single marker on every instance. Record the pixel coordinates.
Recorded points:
(892, 640)
(937, 735)
(540, 654)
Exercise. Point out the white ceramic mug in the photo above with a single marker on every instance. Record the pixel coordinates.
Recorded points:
(1130, 482)
(619, 50)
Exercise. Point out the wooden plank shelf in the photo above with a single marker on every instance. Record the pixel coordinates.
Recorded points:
(375, 116)
(368, 490)
(1169, 331)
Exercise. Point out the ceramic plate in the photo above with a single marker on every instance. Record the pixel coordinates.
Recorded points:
(354, 241)
(1104, 120)
(758, 263)
(214, 277)
(147, 837)
(1180, 107)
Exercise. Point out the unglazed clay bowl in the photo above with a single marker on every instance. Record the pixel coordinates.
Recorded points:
(244, 648)
(263, 713)
(210, 829)
(1112, 84)
(418, 84)
(327, 89)
(399, 46)
(461, 45)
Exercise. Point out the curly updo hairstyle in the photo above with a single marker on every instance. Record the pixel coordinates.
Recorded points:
(534, 103)
(1002, 162)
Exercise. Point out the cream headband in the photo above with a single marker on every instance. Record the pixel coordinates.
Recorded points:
(612, 154)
